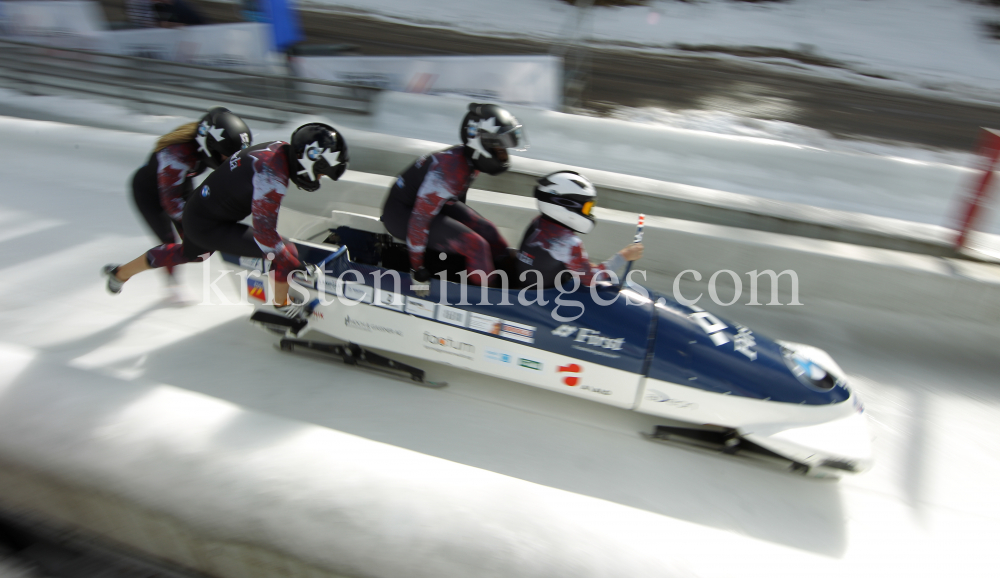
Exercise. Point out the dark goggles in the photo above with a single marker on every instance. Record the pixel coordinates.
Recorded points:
(512, 138)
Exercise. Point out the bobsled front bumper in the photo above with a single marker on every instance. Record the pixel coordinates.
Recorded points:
(833, 447)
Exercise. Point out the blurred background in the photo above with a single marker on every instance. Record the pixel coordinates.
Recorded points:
(849, 140)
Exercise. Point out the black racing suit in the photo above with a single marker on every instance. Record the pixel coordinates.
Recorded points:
(251, 182)
(160, 188)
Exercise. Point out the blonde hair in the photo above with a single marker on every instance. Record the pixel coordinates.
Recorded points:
(183, 133)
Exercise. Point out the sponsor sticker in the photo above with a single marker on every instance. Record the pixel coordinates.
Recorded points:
(255, 289)
(572, 371)
(484, 323)
(588, 337)
(572, 378)
(498, 356)
(530, 364)
(420, 307)
(517, 331)
(355, 323)
(357, 292)
(389, 300)
(254, 263)
(658, 396)
(445, 344)
(451, 315)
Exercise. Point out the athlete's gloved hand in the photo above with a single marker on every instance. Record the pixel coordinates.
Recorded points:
(419, 281)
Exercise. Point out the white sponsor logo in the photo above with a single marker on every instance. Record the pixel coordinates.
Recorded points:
(420, 307)
(589, 337)
(254, 263)
(357, 292)
(710, 324)
(484, 323)
(743, 341)
(390, 300)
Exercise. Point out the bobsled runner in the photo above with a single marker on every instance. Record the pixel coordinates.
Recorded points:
(716, 384)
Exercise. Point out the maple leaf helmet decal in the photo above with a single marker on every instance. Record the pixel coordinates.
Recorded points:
(487, 132)
(221, 134)
(316, 149)
(567, 197)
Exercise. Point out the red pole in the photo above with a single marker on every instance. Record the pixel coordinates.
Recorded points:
(989, 152)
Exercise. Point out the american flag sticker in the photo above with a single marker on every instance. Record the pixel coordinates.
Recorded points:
(517, 332)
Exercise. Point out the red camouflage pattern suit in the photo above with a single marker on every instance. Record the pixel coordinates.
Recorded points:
(551, 247)
(238, 188)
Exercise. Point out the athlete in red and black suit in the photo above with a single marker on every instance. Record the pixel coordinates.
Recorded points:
(551, 246)
(252, 182)
(426, 205)
(160, 188)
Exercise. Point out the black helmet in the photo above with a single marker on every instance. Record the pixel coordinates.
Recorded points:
(316, 149)
(568, 198)
(221, 134)
(487, 132)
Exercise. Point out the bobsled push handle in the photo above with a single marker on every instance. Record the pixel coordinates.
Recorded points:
(335, 255)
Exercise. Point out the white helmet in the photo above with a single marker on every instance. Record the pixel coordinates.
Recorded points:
(568, 198)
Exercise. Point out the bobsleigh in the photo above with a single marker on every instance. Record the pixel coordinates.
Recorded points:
(717, 385)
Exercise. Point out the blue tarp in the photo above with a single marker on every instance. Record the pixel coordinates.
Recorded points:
(284, 21)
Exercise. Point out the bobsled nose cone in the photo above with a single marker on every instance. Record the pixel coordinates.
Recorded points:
(842, 445)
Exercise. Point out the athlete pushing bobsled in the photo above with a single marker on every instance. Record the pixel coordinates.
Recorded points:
(252, 182)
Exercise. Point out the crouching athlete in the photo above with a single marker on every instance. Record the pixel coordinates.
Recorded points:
(550, 246)
(161, 187)
(426, 205)
(253, 182)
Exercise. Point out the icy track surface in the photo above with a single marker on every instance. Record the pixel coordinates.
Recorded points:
(930, 507)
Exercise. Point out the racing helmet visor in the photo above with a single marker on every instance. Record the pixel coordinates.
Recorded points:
(512, 137)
